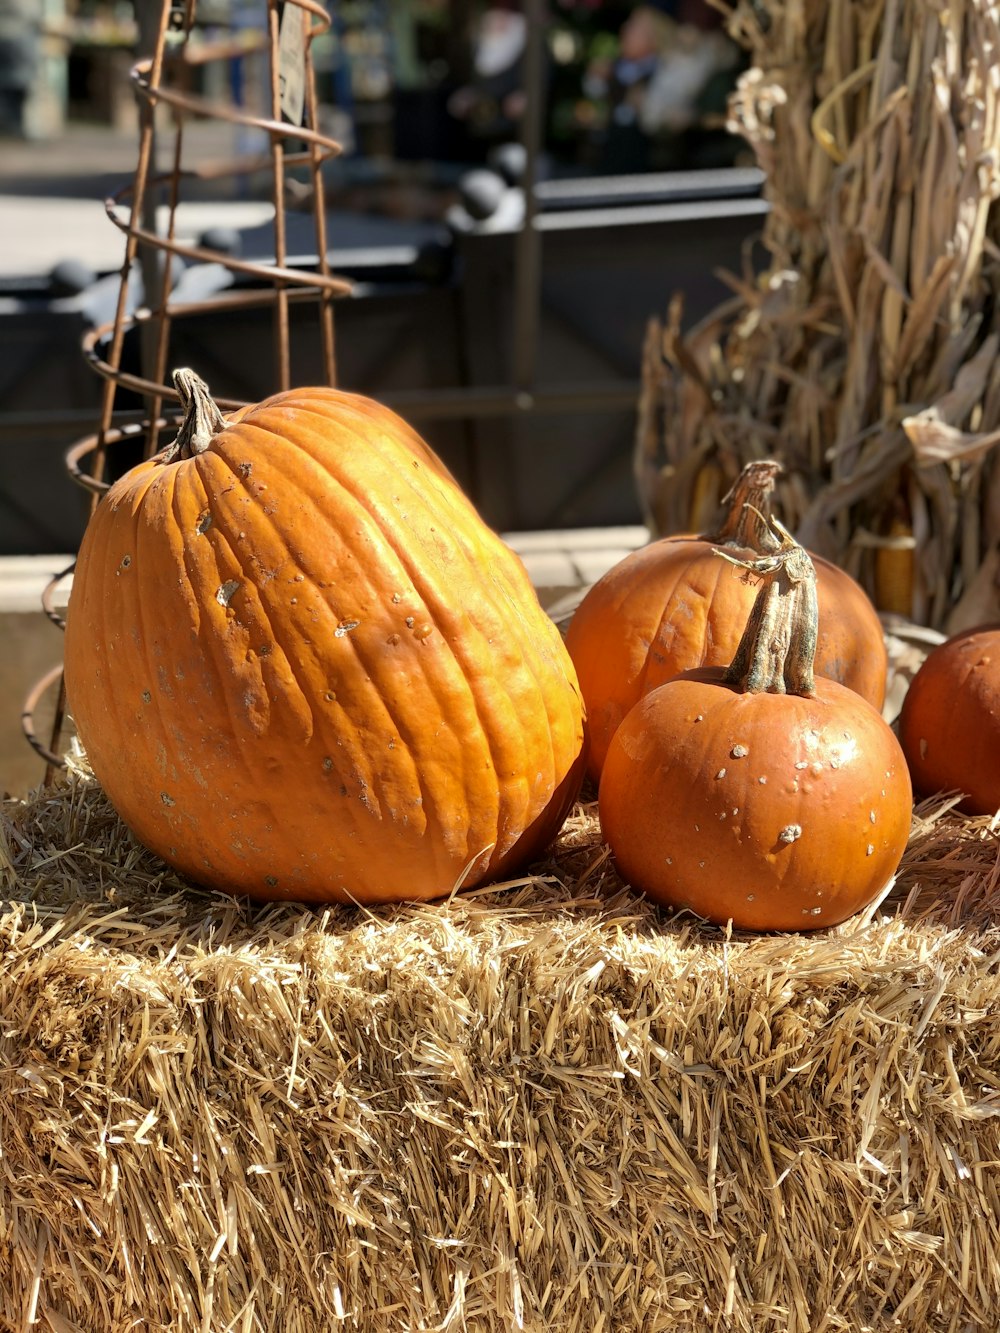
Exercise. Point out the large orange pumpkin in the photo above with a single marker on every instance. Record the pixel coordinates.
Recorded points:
(949, 725)
(302, 667)
(674, 605)
(759, 793)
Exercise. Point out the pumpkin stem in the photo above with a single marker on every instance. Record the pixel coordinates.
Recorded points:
(748, 504)
(202, 418)
(775, 654)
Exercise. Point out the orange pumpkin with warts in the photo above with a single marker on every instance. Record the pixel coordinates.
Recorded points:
(758, 793)
(674, 605)
(949, 725)
(302, 666)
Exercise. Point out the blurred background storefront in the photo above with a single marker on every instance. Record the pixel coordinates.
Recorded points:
(527, 388)
(628, 87)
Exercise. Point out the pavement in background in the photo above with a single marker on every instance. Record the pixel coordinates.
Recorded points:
(52, 194)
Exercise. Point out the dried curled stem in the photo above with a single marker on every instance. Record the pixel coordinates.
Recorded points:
(778, 647)
(202, 418)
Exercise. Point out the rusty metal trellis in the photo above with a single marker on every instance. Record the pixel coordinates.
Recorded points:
(159, 81)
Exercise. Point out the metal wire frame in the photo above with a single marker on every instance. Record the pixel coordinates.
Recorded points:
(102, 347)
(172, 55)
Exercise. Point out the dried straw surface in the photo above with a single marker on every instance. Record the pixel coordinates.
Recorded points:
(546, 1106)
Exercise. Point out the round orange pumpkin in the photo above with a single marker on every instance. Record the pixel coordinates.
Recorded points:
(949, 725)
(674, 605)
(302, 667)
(759, 794)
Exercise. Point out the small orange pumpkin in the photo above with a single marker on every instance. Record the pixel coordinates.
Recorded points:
(949, 725)
(673, 605)
(302, 667)
(759, 793)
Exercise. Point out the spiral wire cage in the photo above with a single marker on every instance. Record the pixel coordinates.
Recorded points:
(161, 81)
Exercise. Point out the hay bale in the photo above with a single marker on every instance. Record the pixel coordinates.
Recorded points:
(547, 1105)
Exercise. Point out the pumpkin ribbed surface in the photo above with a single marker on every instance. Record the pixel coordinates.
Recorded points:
(675, 605)
(301, 665)
(775, 812)
(949, 726)
(759, 793)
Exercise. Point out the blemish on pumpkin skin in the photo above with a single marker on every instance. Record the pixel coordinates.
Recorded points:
(204, 523)
(224, 594)
(167, 799)
(345, 627)
(739, 752)
(146, 697)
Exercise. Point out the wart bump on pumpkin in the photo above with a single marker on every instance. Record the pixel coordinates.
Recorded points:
(318, 846)
(622, 635)
(771, 693)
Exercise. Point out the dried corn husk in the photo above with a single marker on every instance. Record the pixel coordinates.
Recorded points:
(864, 355)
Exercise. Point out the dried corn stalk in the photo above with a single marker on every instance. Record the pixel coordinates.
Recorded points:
(864, 355)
